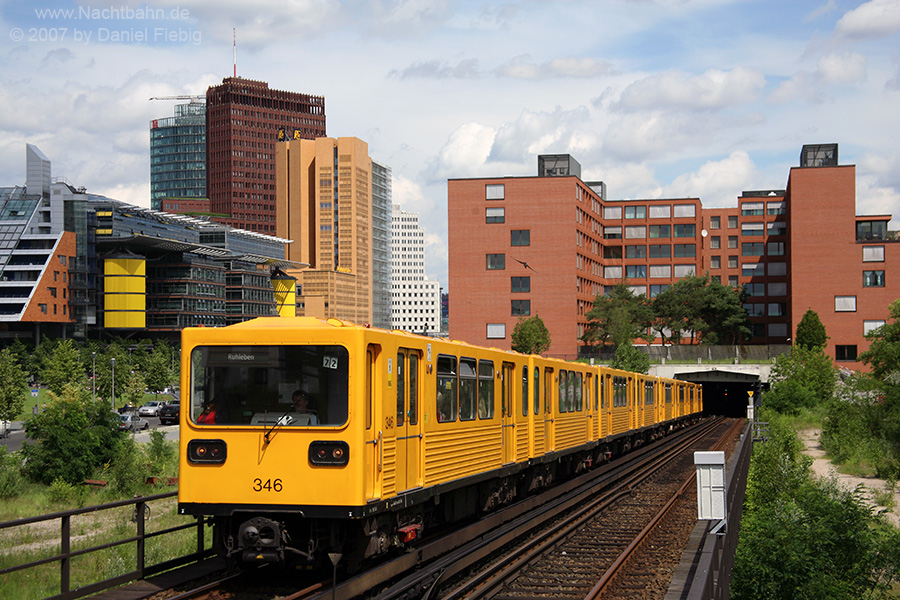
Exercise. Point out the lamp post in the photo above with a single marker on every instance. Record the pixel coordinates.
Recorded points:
(112, 363)
(94, 375)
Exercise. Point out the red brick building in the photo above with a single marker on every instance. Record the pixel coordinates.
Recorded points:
(547, 245)
(244, 119)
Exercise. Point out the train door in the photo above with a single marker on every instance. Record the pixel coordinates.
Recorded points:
(549, 433)
(508, 394)
(409, 434)
(540, 442)
(591, 406)
(374, 459)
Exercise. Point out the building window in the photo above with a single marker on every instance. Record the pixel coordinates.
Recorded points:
(715, 222)
(776, 228)
(753, 229)
(613, 252)
(873, 278)
(612, 212)
(871, 230)
(752, 249)
(755, 309)
(753, 269)
(776, 309)
(635, 232)
(636, 271)
(778, 289)
(496, 261)
(52, 291)
(715, 262)
(660, 251)
(757, 330)
(732, 262)
(751, 209)
(685, 230)
(660, 231)
(845, 304)
(612, 233)
(732, 222)
(521, 308)
(777, 329)
(715, 242)
(656, 290)
(496, 331)
(685, 250)
(520, 237)
(43, 308)
(732, 281)
(873, 253)
(732, 241)
(775, 208)
(494, 214)
(684, 270)
(870, 326)
(683, 211)
(777, 269)
(494, 191)
(635, 212)
(520, 284)
(635, 251)
(612, 272)
(661, 211)
(845, 352)
(755, 289)
(776, 248)
(660, 271)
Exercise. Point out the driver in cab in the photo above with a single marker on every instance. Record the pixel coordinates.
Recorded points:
(301, 405)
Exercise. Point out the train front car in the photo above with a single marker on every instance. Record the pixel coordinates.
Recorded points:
(268, 444)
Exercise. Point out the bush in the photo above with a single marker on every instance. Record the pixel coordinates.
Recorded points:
(129, 469)
(11, 480)
(163, 455)
(788, 397)
(65, 494)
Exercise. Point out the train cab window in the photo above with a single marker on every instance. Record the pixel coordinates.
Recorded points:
(401, 389)
(485, 389)
(255, 385)
(524, 391)
(563, 385)
(446, 389)
(468, 383)
(536, 386)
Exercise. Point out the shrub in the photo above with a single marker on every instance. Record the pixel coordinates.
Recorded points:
(129, 468)
(65, 494)
(11, 479)
(163, 455)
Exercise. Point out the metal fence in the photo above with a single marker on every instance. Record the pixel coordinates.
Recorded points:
(139, 516)
(683, 353)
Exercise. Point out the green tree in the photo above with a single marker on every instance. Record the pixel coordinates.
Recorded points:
(13, 386)
(618, 318)
(883, 354)
(158, 372)
(629, 358)
(71, 438)
(711, 313)
(61, 366)
(805, 368)
(530, 336)
(811, 331)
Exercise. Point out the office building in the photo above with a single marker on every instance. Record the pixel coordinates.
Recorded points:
(416, 300)
(548, 245)
(381, 245)
(325, 205)
(178, 154)
(244, 119)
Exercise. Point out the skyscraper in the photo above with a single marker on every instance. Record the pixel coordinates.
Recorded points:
(178, 154)
(415, 299)
(244, 119)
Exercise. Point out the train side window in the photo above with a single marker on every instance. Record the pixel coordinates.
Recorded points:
(468, 391)
(668, 393)
(401, 389)
(570, 397)
(446, 389)
(537, 391)
(370, 377)
(563, 380)
(598, 385)
(525, 391)
(548, 390)
(413, 388)
(579, 389)
(485, 389)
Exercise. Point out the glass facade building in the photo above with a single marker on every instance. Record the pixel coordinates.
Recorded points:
(178, 155)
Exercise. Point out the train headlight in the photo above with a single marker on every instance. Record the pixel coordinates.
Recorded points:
(206, 451)
(330, 454)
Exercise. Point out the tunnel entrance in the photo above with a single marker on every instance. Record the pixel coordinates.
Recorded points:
(726, 393)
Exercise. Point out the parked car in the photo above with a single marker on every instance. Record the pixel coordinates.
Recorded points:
(133, 423)
(168, 414)
(150, 409)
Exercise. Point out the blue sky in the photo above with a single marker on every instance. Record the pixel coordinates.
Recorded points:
(657, 98)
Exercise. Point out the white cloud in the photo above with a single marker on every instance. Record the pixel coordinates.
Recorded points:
(842, 69)
(820, 11)
(833, 70)
(716, 183)
(464, 153)
(522, 67)
(713, 90)
(876, 18)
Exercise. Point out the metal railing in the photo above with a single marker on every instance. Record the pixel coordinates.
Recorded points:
(141, 570)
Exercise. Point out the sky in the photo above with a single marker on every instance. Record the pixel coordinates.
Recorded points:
(656, 98)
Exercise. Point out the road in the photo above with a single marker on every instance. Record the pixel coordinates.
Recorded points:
(16, 435)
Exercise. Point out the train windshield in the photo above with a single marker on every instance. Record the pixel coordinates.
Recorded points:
(292, 386)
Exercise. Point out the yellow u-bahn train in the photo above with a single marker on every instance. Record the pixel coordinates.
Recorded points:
(304, 437)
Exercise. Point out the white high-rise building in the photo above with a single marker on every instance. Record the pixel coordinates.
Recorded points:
(415, 299)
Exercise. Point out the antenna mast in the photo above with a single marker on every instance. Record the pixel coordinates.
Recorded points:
(234, 52)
